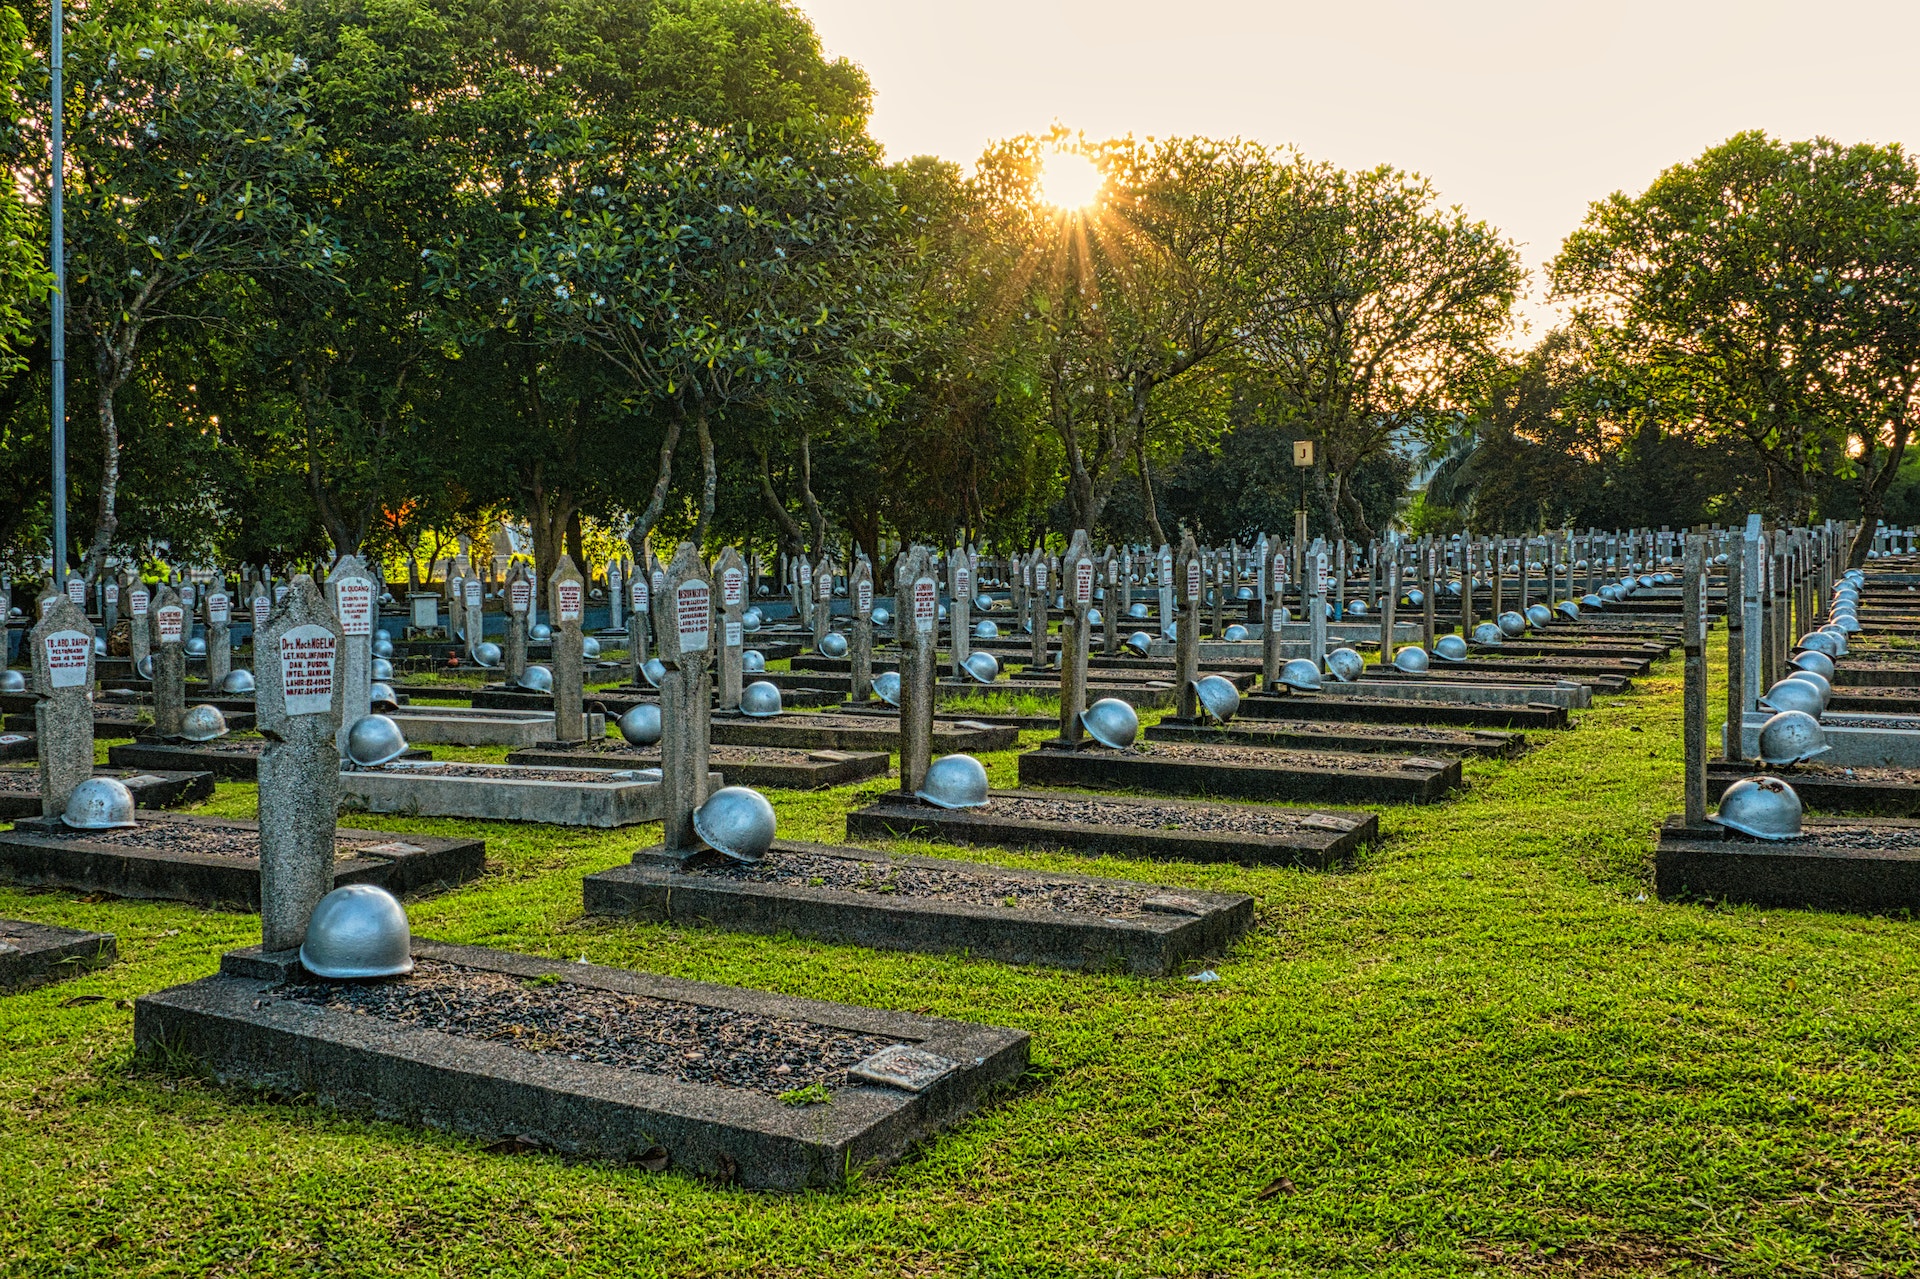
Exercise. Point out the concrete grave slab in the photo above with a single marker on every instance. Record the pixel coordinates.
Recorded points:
(39, 954)
(18, 746)
(1361, 710)
(1873, 792)
(233, 759)
(771, 767)
(20, 789)
(1321, 735)
(1858, 865)
(1564, 694)
(455, 726)
(1225, 771)
(857, 733)
(860, 897)
(1853, 740)
(505, 793)
(256, 1024)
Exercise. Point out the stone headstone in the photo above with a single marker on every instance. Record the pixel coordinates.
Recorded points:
(860, 643)
(296, 667)
(803, 590)
(61, 649)
(640, 625)
(683, 618)
(1163, 584)
(1116, 602)
(917, 624)
(1317, 606)
(1273, 612)
(616, 593)
(171, 622)
(1079, 570)
(567, 600)
(140, 611)
(1042, 598)
(473, 613)
(730, 575)
(1189, 578)
(219, 606)
(353, 594)
(960, 609)
(519, 591)
(109, 601)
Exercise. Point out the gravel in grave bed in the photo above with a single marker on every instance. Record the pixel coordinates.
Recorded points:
(1273, 757)
(160, 835)
(649, 756)
(497, 772)
(1221, 819)
(692, 1043)
(1902, 723)
(1836, 773)
(1318, 728)
(896, 879)
(1900, 839)
(19, 781)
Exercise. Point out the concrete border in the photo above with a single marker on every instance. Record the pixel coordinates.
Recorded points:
(831, 732)
(454, 726)
(1361, 710)
(39, 954)
(1711, 863)
(1420, 780)
(150, 790)
(435, 789)
(158, 756)
(784, 770)
(1823, 793)
(1333, 737)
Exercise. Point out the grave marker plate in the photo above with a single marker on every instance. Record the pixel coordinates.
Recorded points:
(306, 669)
(68, 654)
(693, 616)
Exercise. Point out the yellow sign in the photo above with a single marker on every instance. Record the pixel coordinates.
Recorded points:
(1303, 452)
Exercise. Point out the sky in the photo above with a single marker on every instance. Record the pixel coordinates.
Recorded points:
(1521, 112)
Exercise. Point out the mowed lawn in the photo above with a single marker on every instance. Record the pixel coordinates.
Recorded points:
(1484, 1048)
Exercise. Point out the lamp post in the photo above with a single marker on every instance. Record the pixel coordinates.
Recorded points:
(58, 335)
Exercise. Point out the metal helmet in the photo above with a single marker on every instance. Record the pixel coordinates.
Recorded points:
(1848, 623)
(1094, 618)
(1356, 608)
(1839, 636)
(197, 647)
(1218, 697)
(1569, 610)
(1137, 611)
(537, 679)
(983, 667)
(144, 667)
(833, 644)
(357, 933)
(653, 670)
(1511, 624)
(1453, 588)
(487, 654)
(1139, 643)
(1301, 675)
(751, 620)
(202, 723)
(737, 821)
(1593, 601)
(1450, 648)
(540, 632)
(886, 687)
(1111, 722)
(1539, 615)
(380, 697)
(1794, 695)
(941, 612)
(382, 668)
(753, 659)
(1791, 737)
(1647, 580)
(1763, 807)
(383, 648)
(1489, 634)
(1234, 633)
(99, 803)
(640, 726)
(882, 617)
(100, 646)
(1416, 598)
(12, 682)
(1244, 594)
(985, 630)
(383, 633)
(954, 781)
(1816, 661)
(1608, 594)
(983, 602)
(760, 700)
(589, 647)
(375, 740)
(1816, 679)
(1412, 659)
(1820, 642)
(237, 683)
(1345, 665)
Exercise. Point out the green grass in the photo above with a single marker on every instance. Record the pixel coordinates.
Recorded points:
(1484, 1049)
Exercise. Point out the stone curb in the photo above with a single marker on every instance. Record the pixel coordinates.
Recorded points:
(42, 954)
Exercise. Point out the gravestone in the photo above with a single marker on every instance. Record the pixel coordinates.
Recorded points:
(1429, 584)
(960, 612)
(140, 610)
(1693, 641)
(640, 623)
(1223, 587)
(1340, 578)
(567, 602)
(219, 606)
(352, 594)
(1466, 587)
(683, 619)
(260, 606)
(803, 589)
(860, 648)
(730, 574)
(1078, 567)
(1390, 602)
(1188, 576)
(473, 621)
(917, 624)
(1042, 585)
(1275, 614)
(1116, 601)
(1317, 609)
(822, 621)
(170, 622)
(616, 588)
(296, 667)
(61, 645)
(519, 615)
(109, 600)
(1163, 583)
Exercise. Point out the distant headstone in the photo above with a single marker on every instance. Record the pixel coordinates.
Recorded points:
(61, 644)
(730, 574)
(170, 626)
(1273, 612)
(616, 597)
(519, 617)
(683, 618)
(567, 598)
(1078, 568)
(1188, 575)
(1116, 594)
(473, 621)
(1042, 584)
(917, 625)
(640, 626)
(296, 668)
(140, 610)
(218, 602)
(960, 611)
(1317, 609)
(860, 645)
(822, 620)
(352, 592)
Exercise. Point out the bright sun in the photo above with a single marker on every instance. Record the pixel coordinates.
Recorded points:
(1070, 181)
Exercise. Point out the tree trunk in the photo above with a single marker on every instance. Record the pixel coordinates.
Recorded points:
(710, 481)
(1155, 534)
(816, 518)
(1873, 494)
(657, 500)
(792, 539)
(113, 364)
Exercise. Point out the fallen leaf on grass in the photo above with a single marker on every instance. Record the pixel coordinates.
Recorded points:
(74, 1001)
(1278, 1186)
(516, 1145)
(654, 1159)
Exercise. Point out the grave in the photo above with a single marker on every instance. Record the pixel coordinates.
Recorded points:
(1853, 740)
(458, 726)
(1867, 867)
(39, 954)
(232, 759)
(1365, 710)
(1316, 735)
(1863, 791)
(505, 793)
(859, 731)
(1239, 771)
(772, 767)
(15, 746)
(20, 794)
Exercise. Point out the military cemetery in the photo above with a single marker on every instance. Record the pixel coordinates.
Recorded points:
(638, 642)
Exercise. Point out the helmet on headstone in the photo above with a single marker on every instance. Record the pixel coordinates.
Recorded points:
(202, 723)
(1244, 594)
(1848, 623)
(640, 726)
(1450, 648)
(375, 740)
(383, 648)
(1569, 610)
(381, 697)
(12, 681)
(1137, 611)
(237, 683)
(1416, 598)
(1791, 737)
(197, 646)
(982, 667)
(144, 668)
(1453, 588)
(753, 659)
(1609, 593)
(1814, 660)
(358, 932)
(941, 612)
(540, 632)
(1345, 665)
(1762, 807)
(487, 654)
(1539, 615)
(382, 668)
(1511, 624)
(1139, 643)
(589, 647)
(1094, 618)
(886, 687)
(537, 679)
(1301, 675)
(751, 620)
(99, 646)
(833, 644)
(1819, 682)
(1489, 635)
(1173, 631)
(985, 629)
(99, 803)
(1591, 600)
(1234, 633)
(983, 602)
(383, 634)
(736, 821)
(1356, 608)
(1412, 659)
(1838, 636)
(954, 781)
(653, 670)
(1794, 695)
(1217, 697)
(760, 700)
(882, 616)
(596, 593)
(1111, 722)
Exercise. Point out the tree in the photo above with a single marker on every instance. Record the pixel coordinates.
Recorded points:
(1771, 291)
(24, 272)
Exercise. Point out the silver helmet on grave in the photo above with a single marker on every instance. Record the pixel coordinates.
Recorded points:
(380, 697)
(383, 648)
(1235, 633)
(1301, 675)
(202, 723)
(753, 660)
(1345, 665)
(537, 679)
(984, 629)
(1412, 659)
(12, 681)
(1416, 598)
(760, 700)
(589, 648)
(1819, 682)
(1820, 642)
(1762, 807)
(1816, 661)
(736, 821)
(1217, 696)
(882, 617)
(653, 670)
(1140, 644)
(983, 602)
(382, 668)
(144, 667)
(99, 803)
(1137, 611)
(375, 740)
(1111, 722)
(833, 644)
(1569, 610)
(1489, 635)
(886, 687)
(1512, 625)
(1356, 608)
(983, 667)
(237, 682)
(1450, 648)
(1539, 615)
(640, 725)
(954, 781)
(358, 933)
(487, 654)
(540, 632)
(1791, 737)
(1794, 695)
(197, 647)
(751, 620)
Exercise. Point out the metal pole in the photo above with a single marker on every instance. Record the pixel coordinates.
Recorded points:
(58, 335)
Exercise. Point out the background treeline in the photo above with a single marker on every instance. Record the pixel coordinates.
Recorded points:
(364, 274)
